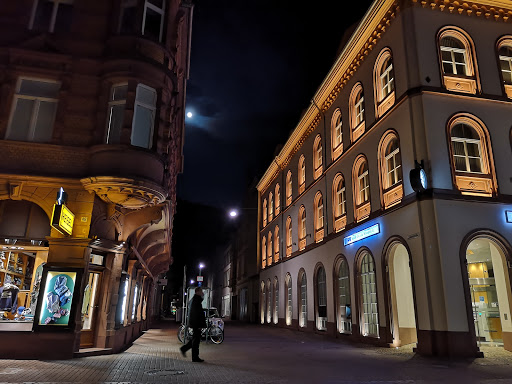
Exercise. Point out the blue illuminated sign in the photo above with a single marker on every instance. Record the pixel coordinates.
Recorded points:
(508, 215)
(363, 234)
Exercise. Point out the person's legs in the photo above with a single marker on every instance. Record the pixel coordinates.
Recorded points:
(196, 339)
(187, 346)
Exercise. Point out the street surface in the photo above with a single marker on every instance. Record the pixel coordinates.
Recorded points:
(260, 354)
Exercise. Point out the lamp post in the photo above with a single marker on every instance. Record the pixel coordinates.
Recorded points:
(201, 266)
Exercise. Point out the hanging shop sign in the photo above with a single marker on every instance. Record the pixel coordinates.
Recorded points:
(62, 218)
(418, 178)
(199, 278)
(57, 298)
(363, 234)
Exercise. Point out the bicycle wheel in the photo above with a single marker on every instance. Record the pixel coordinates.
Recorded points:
(187, 335)
(216, 334)
(181, 333)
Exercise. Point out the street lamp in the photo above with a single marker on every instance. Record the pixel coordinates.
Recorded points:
(233, 213)
(192, 282)
(201, 266)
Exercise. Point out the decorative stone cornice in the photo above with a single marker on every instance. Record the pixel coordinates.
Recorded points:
(127, 193)
(499, 10)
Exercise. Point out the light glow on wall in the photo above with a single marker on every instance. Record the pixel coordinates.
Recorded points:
(508, 216)
(362, 234)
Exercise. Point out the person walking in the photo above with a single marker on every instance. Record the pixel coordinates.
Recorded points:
(196, 321)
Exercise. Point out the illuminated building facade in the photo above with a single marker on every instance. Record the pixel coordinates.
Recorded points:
(92, 100)
(384, 217)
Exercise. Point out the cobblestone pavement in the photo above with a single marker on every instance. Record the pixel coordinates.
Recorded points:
(259, 354)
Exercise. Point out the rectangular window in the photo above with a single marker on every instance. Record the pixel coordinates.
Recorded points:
(339, 134)
(319, 156)
(393, 164)
(33, 111)
(467, 155)
(302, 174)
(320, 216)
(364, 188)
(289, 305)
(116, 106)
(506, 69)
(153, 19)
(303, 227)
(143, 117)
(454, 61)
(51, 15)
(359, 108)
(128, 16)
(387, 81)
(340, 197)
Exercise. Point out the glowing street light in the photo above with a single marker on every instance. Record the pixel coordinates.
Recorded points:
(192, 282)
(233, 213)
(201, 266)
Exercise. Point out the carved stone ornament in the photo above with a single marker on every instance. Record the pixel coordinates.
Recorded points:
(127, 193)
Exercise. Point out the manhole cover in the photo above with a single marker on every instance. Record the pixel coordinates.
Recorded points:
(164, 372)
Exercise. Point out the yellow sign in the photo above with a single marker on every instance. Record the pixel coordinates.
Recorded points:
(62, 219)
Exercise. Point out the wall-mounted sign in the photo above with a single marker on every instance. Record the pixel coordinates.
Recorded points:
(199, 278)
(57, 298)
(362, 234)
(62, 219)
(418, 178)
(508, 216)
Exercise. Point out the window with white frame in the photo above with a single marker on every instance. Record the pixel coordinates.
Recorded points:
(289, 189)
(321, 322)
(278, 199)
(387, 81)
(344, 307)
(393, 163)
(276, 300)
(33, 111)
(116, 107)
(153, 19)
(370, 321)
(340, 200)
(359, 109)
(270, 206)
(288, 236)
(453, 56)
(289, 302)
(303, 318)
(363, 183)
(302, 223)
(320, 213)
(466, 149)
(317, 152)
(51, 15)
(337, 127)
(143, 116)
(505, 54)
(302, 173)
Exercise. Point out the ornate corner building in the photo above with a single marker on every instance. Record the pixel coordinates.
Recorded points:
(386, 218)
(92, 97)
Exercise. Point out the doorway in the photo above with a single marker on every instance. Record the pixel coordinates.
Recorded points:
(90, 309)
(489, 287)
(402, 312)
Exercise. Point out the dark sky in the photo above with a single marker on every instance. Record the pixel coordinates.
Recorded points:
(255, 65)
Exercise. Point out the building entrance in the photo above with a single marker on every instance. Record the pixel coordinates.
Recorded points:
(403, 324)
(489, 287)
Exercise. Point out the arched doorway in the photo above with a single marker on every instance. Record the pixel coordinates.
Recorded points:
(402, 311)
(490, 293)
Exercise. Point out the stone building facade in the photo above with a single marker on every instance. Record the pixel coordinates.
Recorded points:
(92, 98)
(386, 217)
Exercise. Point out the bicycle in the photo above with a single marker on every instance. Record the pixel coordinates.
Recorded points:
(214, 332)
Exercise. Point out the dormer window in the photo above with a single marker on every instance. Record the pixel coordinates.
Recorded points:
(51, 15)
(153, 16)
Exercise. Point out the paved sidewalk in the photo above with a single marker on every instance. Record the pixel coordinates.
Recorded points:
(259, 354)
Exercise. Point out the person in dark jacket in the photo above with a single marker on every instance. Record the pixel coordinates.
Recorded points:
(196, 321)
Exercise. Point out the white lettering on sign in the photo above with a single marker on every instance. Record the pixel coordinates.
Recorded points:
(363, 234)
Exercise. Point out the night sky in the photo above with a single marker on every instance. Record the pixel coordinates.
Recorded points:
(255, 65)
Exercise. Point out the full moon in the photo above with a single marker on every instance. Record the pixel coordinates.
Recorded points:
(189, 114)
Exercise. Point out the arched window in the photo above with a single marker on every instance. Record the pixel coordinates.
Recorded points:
(384, 82)
(505, 56)
(344, 307)
(361, 185)
(276, 300)
(319, 217)
(457, 60)
(317, 157)
(339, 202)
(270, 250)
(321, 300)
(265, 212)
(303, 288)
(278, 199)
(263, 252)
(270, 207)
(288, 236)
(269, 301)
(369, 310)
(357, 120)
(472, 160)
(390, 164)
(289, 190)
(289, 302)
(276, 244)
(262, 303)
(302, 228)
(302, 174)
(336, 134)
